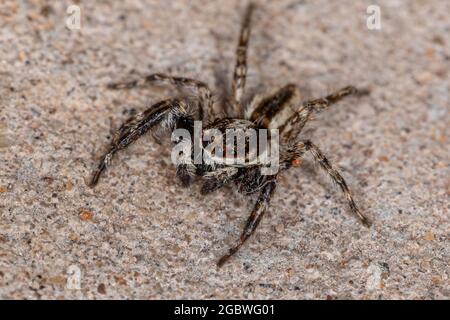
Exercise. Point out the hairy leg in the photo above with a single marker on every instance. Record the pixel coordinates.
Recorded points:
(294, 125)
(240, 70)
(271, 110)
(169, 113)
(292, 156)
(202, 89)
(253, 221)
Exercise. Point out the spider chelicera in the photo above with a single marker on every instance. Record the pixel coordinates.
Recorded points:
(278, 110)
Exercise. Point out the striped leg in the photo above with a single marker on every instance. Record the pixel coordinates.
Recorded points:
(253, 221)
(292, 158)
(202, 89)
(294, 125)
(274, 109)
(240, 70)
(170, 113)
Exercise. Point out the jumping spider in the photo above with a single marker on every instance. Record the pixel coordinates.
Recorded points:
(277, 110)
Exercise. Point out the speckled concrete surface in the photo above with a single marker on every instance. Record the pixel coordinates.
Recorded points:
(139, 234)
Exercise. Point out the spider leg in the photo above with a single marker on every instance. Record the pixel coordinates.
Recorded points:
(240, 70)
(253, 221)
(294, 153)
(169, 113)
(204, 93)
(271, 110)
(294, 125)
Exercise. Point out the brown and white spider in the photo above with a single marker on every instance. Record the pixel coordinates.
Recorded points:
(278, 110)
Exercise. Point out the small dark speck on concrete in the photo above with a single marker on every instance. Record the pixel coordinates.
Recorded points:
(335, 211)
(101, 288)
(384, 266)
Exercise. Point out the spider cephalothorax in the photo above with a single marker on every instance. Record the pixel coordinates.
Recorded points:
(279, 110)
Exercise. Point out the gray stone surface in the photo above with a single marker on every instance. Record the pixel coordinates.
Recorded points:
(139, 234)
